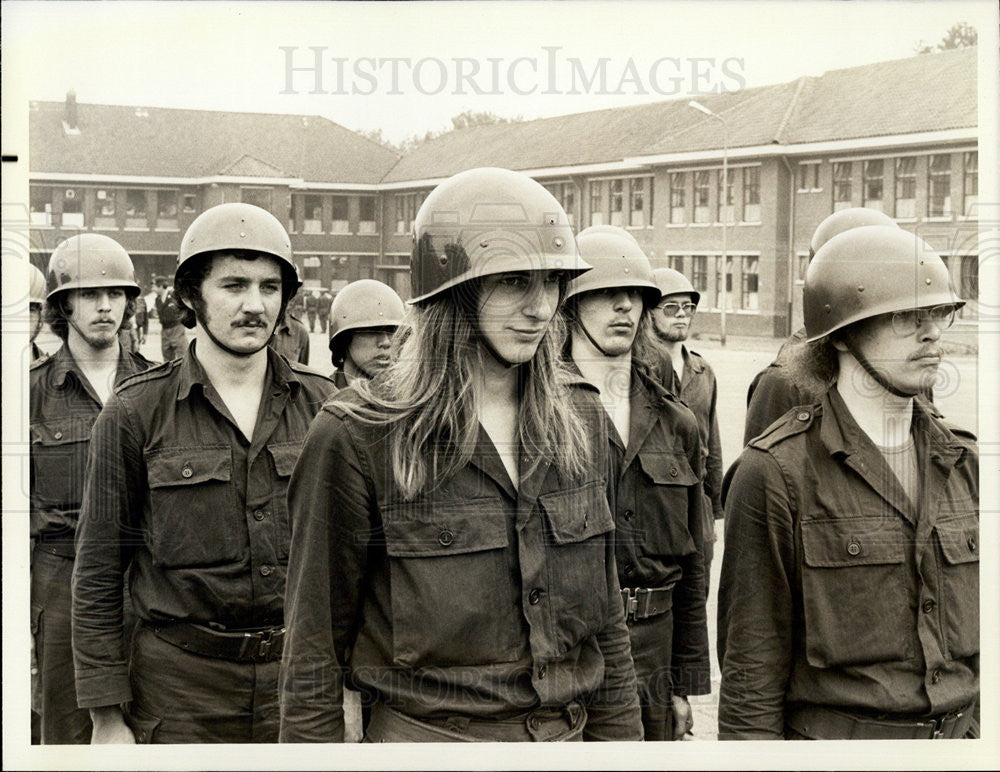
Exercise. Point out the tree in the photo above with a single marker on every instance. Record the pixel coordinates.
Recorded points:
(959, 35)
(464, 120)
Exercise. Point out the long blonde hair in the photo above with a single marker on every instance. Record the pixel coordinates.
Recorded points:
(428, 395)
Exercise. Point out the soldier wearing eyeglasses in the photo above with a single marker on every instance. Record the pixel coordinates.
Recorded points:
(849, 599)
(690, 377)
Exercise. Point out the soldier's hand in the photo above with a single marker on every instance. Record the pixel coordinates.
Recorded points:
(110, 727)
(683, 718)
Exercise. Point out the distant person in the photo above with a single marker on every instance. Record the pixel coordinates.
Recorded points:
(173, 340)
(312, 308)
(364, 316)
(323, 311)
(291, 339)
(36, 301)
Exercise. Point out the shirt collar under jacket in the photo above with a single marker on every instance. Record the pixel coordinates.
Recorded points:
(192, 373)
(63, 364)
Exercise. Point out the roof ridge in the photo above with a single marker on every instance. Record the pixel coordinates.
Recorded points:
(793, 104)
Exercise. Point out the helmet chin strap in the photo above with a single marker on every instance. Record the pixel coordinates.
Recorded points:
(590, 337)
(878, 375)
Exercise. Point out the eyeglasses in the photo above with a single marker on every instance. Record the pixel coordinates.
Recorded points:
(671, 308)
(908, 322)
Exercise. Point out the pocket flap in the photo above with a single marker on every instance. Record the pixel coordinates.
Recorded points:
(62, 431)
(578, 514)
(667, 468)
(285, 454)
(959, 539)
(854, 541)
(429, 529)
(189, 466)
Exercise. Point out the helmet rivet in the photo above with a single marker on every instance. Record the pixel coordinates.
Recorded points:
(827, 308)
(242, 235)
(103, 272)
(626, 270)
(861, 288)
(558, 242)
(927, 280)
(484, 244)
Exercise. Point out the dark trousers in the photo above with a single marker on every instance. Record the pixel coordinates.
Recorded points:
(173, 342)
(311, 315)
(62, 722)
(652, 644)
(179, 697)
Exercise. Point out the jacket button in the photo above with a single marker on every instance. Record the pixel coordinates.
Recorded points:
(541, 671)
(534, 596)
(673, 471)
(627, 514)
(629, 569)
(534, 723)
(265, 570)
(186, 472)
(803, 416)
(854, 548)
(258, 515)
(58, 435)
(935, 676)
(445, 538)
(927, 606)
(972, 543)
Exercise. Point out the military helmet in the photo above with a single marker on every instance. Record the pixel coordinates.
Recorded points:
(237, 226)
(671, 282)
(868, 271)
(617, 260)
(487, 221)
(844, 220)
(36, 283)
(363, 305)
(87, 261)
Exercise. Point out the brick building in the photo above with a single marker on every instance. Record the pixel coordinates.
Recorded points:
(900, 136)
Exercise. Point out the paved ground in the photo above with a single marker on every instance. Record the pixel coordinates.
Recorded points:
(735, 365)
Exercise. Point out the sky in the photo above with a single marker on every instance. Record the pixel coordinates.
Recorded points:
(406, 68)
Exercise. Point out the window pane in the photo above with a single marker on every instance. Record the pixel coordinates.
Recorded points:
(939, 200)
(135, 208)
(751, 194)
(339, 222)
(701, 196)
(312, 221)
(841, 185)
(367, 215)
(616, 203)
(749, 296)
(872, 189)
(970, 184)
(699, 272)
(906, 187)
(677, 197)
(636, 190)
(596, 212)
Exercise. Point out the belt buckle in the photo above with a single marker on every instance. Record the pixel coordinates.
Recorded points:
(937, 724)
(265, 641)
(630, 594)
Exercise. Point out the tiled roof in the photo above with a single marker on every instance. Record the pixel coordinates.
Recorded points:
(248, 166)
(166, 142)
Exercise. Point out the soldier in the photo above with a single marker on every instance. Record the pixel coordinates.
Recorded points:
(364, 316)
(312, 307)
(141, 319)
(36, 299)
(186, 492)
(91, 290)
(173, 341)
(783, 385)
(291, 338)
(659, 512)
(849, 600)
(452, 549)
(691, 378)
(323, 310)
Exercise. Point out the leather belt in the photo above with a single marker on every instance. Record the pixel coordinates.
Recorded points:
(645, 602)
(264, 645)
(542, 724)
(821, 723)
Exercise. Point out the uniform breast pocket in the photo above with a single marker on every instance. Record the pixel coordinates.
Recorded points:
(664, 509)
(579, 521)
(854, 592)
(285, 454)
(194, 519)
(454, 601)
(959, 542)
(59, 460)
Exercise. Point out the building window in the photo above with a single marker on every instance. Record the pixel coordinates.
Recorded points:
(404, 203)
(939, 194)
(701, 196)
(257, 196)
(166, 209)
(751, 194)
(636, 197)
(699, 272)
(872, 189)
(339, 218)
(725, 210)
(841, 185)
(565, 194)
(41, 206)
(809, 177)
(135, 209)
(617, 203)
(906, 187)
(313, 218)
(366, 220)
(311, 267)
(748, 284)
(105, 215)
(72, 211)
(677, 198)
(970, 183)
(190, 203)
(729, 282)
(676, 262)
(596, 211)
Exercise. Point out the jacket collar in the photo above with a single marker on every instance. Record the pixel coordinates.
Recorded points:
(191, 373)
(63, 365)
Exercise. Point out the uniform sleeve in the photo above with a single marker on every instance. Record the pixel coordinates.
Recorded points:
(304, 347)
(690, 661)
(328, 503)
(755, 602)
(713, 462)
(105, 538)
(773, 396)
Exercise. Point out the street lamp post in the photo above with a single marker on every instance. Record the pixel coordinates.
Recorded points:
(723, 295)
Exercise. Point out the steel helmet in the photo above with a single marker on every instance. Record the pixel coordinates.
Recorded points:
(244, 227)
(844, 220)
(671, 282)
(868, 271)
(90, 260)
(482, 222)
(36, 284)
(362, 305)
(618, 261)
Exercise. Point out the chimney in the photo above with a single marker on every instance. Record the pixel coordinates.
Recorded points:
(71, 109)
